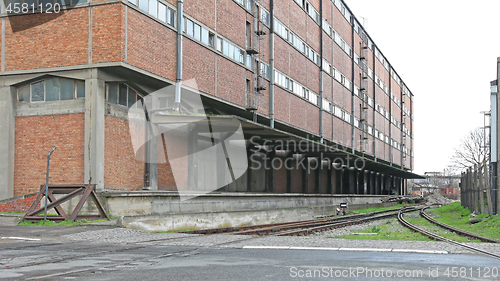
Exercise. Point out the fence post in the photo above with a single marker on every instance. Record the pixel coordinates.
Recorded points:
(487, 188)
(469, 190)
(474, 190)
(480, 188)
(462, 203)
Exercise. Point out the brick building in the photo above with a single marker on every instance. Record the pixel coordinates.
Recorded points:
(305, 68)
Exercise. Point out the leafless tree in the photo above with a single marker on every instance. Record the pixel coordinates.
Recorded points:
(473, 149)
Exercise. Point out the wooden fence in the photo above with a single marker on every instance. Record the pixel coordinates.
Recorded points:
(475, 186)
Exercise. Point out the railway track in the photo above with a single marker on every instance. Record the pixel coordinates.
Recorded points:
(301, 227)
(437, 237)
(456, 230)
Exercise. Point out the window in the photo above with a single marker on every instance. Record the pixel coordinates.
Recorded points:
(189, 27)
(153, 8)
(171, 17)
(51, 89)
(143, 5)
(162, 12)
(264, 16)
(123, 95)
(197, 32)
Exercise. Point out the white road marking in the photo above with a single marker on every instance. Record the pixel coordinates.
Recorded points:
(22, 238)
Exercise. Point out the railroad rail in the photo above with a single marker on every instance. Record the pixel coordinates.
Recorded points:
(300, 227)
(437, 237)
(457, 230)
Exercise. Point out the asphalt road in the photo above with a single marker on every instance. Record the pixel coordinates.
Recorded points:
(57, 259)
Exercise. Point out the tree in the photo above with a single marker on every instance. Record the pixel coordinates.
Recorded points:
(473, 149)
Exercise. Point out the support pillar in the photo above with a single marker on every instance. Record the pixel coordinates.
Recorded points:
(317, 173)
(94, 130)
(352, 181)
(329, 182)
(305, 176)
(288, 176)
(361, 182)
(270, 171)
(7, 141)
(372, 176)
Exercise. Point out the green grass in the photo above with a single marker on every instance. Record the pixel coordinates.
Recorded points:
(52, 223)
(7, 212)
(458, 216)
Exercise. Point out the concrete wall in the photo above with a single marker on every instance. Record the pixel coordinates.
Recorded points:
(163, 211)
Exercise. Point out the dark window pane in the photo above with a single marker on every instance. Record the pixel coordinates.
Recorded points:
(112, 93)
(74, 2)
(67, 89)
(122, 100)
(37, 92)
(171, 17)
(52, 87)
(24, 93)
(132, 95)
(80, 89)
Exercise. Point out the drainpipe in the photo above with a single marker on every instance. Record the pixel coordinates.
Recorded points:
(271, 64)
(321, 90)
(178, 84)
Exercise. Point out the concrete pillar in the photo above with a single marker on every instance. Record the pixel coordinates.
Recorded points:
(94, 130)
(7, 141)
(289, 175)
(330, 180)
(378, 184)
(372, 176)
(317, 173)
(192, 158)
(352, 181)
(361, 182)
(305, 176)
(270, 172)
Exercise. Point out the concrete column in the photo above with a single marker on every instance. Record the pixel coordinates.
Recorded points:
(221, 163)
(317, 175)
(330, 180)
(372, 176)
(305, 176)
(289, 175)
(361, 182)
(7, 141)
(270, 172)
(377, 184)
(94, 130)
(352, 181)
(192, 158)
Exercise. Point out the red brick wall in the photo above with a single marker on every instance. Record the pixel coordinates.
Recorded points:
(46, 40)
(18, 205)
(108, 33)
(122, 170)
(151, 45)
(35, 136)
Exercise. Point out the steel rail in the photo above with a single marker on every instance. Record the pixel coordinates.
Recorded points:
(275, 227)
(457, 230)
(437, 237)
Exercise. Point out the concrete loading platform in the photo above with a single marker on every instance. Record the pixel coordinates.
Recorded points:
(164, 211)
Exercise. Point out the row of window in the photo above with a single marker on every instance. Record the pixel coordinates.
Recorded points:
(247, 4)
(335, 73)
(51, 89)
(296, 88)
(309, 10)
(122, 94)
(233, 52)
(336, 37)
(156, 9)
(199, 33)
(296, 42)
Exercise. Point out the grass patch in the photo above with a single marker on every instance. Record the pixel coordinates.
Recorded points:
(53, 223)
(458, 216)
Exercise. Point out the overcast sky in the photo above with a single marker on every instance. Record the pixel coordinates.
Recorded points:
(446, 53)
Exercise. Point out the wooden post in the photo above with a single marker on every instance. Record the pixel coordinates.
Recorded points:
(487, 187)
(462, 203)
(480, 188)
(470, 194)
(475, 190)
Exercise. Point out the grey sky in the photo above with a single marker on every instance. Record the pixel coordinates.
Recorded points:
(446, 53)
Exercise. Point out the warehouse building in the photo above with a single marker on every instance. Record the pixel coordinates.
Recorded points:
(286, 71)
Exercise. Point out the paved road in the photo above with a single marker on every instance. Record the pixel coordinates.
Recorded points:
(56, 257)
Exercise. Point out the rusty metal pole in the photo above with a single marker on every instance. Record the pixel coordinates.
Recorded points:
(47, 184)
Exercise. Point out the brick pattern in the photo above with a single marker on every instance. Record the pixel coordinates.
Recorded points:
(151, 45)
(18, 205)
(122, 170)
(46, 40)
(35, 136)
(108, 33)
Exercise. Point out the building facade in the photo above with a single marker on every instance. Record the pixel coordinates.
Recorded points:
(303, 67)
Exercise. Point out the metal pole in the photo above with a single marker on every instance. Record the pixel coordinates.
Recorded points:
(47, 184)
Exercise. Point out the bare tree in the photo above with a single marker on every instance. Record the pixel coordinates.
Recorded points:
(474, 149)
